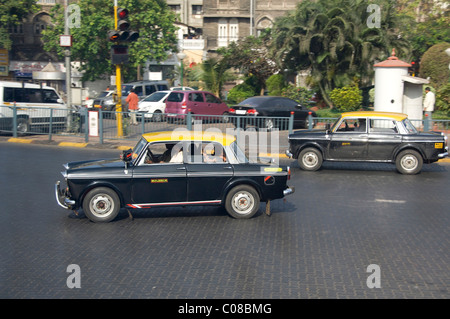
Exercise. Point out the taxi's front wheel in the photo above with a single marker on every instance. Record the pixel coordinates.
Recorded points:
(409, 162)
(242, 202)
(101, 204)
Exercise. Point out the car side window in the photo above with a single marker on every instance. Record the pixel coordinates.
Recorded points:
(149, 89)
(211, 98)
(175, 97)
(352, 125)
(206, 153)
(386, 126)
(163, 153)
(195, 97)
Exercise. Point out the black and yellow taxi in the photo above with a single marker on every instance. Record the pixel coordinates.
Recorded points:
(369, 136)
(174, 168)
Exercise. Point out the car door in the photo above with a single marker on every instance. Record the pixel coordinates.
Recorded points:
(158, 183)
(384, 138)
(213, 104)
(207, 172)
(349, 141)
(196, 102)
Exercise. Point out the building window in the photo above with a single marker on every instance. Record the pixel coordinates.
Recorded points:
(46, 2)
(228, 31)
(234, 30)
(196, 10)
(223, 33)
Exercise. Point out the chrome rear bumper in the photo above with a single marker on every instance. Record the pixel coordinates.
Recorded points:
(289, 191)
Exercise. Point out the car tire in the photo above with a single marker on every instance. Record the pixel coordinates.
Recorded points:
(225, 117)
(409, 162)
(23, 126)
(269, 124)
(157, 116)
(310, 159)
(242, 202)
(101, 204)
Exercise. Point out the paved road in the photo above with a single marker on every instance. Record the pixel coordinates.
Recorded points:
(347, 226)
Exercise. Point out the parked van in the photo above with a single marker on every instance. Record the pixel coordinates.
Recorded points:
(179, 103)
(36, 107)
(144, 88)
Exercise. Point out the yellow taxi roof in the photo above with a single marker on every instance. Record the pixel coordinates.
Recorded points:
(186, 135)
(394, 115)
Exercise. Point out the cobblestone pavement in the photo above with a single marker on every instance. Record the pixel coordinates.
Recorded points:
(322, 242)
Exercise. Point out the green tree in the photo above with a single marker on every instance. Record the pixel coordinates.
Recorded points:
(153, 19)
(214, 72)
(434, 64)
(275, 84)
(252, 58)
(12, 13)
(347, 98)
(335, 43)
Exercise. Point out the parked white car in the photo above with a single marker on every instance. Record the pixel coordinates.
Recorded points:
(154, 105)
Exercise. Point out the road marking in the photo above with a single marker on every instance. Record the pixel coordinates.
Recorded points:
(390, 201)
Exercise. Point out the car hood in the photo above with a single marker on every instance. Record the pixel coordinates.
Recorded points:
(307, 133)
(95, 164)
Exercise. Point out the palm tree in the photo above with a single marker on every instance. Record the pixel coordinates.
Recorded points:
(332, 40)
(214, 72)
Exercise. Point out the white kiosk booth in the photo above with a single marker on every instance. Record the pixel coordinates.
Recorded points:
(395, 90)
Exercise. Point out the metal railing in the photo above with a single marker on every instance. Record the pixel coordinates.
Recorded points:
(20, 121)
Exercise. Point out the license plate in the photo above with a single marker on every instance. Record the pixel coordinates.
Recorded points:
(96, 105)
(241, 112)
(438, 145)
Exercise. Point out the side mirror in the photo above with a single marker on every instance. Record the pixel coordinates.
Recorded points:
(127, 155)
(60, 101)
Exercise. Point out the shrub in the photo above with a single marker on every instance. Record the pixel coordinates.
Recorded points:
(300, 94)
(434, 64)
(275, 84)
(239, 93)
(443, 99)
(347, 98)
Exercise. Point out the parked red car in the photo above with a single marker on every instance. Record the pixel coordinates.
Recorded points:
(179, 103)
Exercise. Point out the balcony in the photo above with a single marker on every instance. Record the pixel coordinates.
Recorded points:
(191, 44)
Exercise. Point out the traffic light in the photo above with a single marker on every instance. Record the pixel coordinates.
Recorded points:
(119, 54)
(414, 69)
(123, 25)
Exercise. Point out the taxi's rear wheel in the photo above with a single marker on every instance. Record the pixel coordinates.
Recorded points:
(310, 159)
(242, 202)
(409, 162)
(101, 204)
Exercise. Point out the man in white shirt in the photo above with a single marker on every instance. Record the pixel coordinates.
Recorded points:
(428, 103)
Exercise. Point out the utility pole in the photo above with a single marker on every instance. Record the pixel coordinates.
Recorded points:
(118, 83)
(68, 66)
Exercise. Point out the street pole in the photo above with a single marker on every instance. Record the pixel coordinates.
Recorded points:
(68, 68)
(118, 83)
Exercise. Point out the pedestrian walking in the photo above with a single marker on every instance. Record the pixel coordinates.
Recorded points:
(132, 100)
(428, 103)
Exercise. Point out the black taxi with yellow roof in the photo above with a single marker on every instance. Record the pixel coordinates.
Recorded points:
(368, 136)
(174, 168)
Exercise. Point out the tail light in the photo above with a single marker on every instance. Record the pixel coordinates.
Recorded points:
(252, 111)
(289, 172)
(183, 105)
(232, 110)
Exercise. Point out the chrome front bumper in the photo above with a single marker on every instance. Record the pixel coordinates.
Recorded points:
(61, 199)
(289, 191)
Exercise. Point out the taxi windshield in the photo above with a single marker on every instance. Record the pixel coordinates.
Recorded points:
(138, 148)
(409, 126)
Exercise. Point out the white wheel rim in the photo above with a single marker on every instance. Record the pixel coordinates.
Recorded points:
(242, 202)
(101, 205)
(409, 162)
(310, 159)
